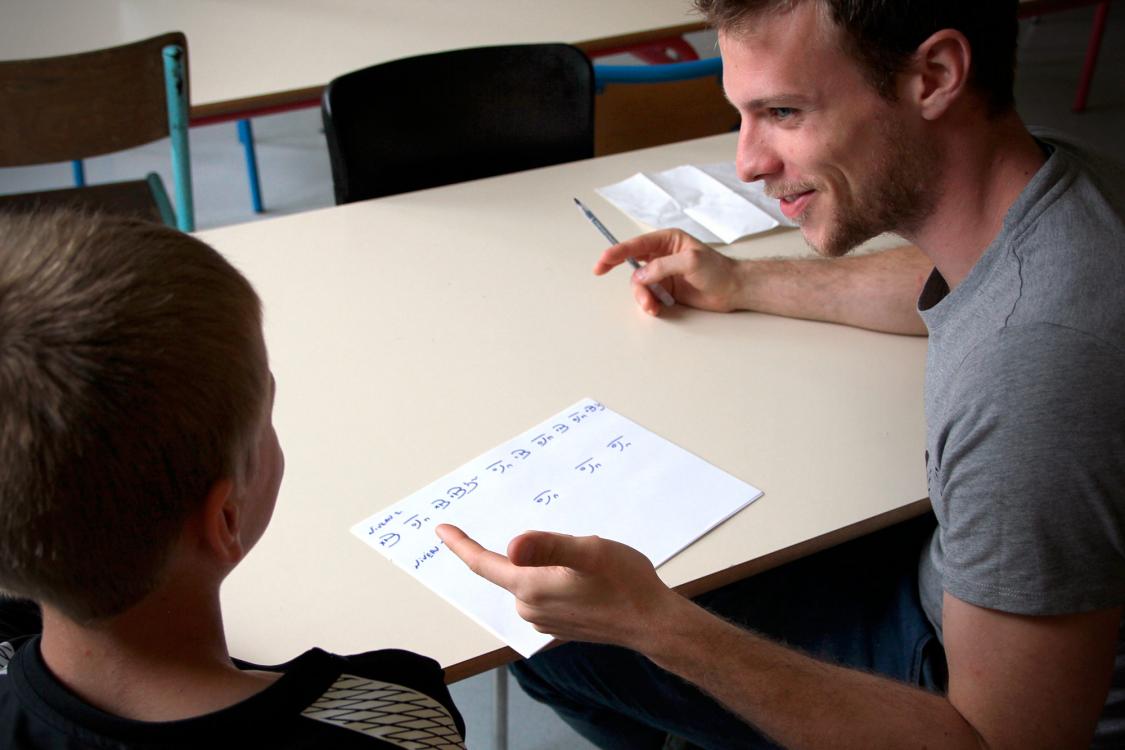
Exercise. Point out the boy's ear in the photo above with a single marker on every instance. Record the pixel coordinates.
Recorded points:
(221, 522)
(939, 73)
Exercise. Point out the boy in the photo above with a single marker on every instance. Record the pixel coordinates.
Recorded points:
(138, 466)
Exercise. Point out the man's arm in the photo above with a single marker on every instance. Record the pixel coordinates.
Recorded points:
(1018, 682)
(878, 291)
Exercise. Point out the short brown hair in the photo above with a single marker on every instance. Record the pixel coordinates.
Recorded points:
(133, 377)
(882, 35)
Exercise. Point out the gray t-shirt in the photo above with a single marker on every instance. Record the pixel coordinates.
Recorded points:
(1025, 409)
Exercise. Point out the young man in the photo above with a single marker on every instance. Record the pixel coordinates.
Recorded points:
(140, 465)
(862, 118)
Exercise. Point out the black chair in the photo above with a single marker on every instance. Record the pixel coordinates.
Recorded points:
(448, 117)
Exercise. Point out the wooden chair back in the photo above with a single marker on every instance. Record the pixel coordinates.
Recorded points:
(631, 116)
(70, 107)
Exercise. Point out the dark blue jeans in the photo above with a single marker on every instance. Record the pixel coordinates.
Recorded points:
(855, 605)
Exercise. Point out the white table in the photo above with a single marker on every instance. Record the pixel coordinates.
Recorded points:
(248, 56)
(411, 333)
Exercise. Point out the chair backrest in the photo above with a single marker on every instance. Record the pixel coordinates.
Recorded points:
(73, 107)
(76, 106)
(639, 106)
(448, 117)
(674, 98)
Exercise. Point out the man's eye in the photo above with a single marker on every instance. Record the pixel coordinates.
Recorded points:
(782, 113)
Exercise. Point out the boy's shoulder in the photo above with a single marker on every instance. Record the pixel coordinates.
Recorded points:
(381, 699)
(7, 651)
(395, 696)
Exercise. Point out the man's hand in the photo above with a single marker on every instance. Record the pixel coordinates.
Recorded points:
(876, 291)
(692, 272)
(574, 588)
(1014, 681)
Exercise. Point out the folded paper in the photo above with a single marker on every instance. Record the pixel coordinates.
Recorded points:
(708, 202)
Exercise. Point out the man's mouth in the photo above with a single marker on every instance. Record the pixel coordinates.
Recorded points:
(793, 204)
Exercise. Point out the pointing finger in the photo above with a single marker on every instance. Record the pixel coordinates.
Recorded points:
(485, 563)
(642, 247)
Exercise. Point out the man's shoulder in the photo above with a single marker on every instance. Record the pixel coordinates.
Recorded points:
(1039, 345)
(1031, 413)
(1058, 260)
(1057, 269)
(1080, 155)
(1043, 369)
(1080, 188)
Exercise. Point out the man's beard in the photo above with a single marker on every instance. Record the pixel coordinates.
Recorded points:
(897, 196)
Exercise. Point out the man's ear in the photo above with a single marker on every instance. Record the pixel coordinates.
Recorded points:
(939, 73)
(221, 522)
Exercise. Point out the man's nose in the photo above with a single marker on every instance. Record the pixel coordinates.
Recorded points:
(756, 158)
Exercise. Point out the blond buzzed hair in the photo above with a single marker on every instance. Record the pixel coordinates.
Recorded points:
(132, 378)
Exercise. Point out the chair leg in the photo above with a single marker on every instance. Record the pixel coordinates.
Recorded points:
(1097, 30)
(175, 81)
(160, 197)
(246, 135)
(79, 170)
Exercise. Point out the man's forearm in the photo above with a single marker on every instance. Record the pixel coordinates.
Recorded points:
(799, 701)
(878, 291)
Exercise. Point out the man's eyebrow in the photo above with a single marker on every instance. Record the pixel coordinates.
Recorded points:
(777, 100)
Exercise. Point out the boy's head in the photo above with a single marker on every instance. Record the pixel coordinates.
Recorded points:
(133, 378)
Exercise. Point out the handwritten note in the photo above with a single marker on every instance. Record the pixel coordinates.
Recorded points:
(587, 470)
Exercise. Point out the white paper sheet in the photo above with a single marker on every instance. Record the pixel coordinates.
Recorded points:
(587, 470)
(707, 201)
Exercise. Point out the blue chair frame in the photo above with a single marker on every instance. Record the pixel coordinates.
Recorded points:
(246, 137)
(138, 92)
(603, 74)
(645, 105)
(175, 87)
(664, 73)
(175, 90)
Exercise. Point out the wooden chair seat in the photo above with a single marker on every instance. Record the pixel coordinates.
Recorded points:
(134, 198)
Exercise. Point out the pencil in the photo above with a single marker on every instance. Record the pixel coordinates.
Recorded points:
(657, 289)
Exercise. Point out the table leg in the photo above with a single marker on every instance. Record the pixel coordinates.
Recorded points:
(500, 708)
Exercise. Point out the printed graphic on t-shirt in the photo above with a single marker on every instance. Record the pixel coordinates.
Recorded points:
(7, 651)
(392, 713)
